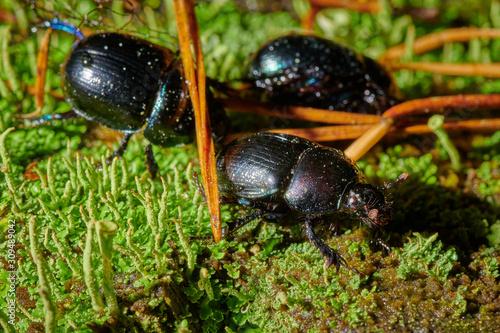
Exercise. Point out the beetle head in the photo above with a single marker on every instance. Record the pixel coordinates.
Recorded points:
(368, 202)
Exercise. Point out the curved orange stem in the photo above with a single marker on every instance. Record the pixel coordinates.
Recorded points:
(433, 104)
(436, 104)
(437, 39)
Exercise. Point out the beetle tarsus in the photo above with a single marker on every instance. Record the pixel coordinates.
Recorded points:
(378, 240)
(331, 256)
(151, 161)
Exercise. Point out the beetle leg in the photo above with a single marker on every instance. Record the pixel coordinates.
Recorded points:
(245, 219)
(331, 256)
(151, 161)
(51, 117)
(377, 239)
(235, 225)
(199, 187)
(123, 146)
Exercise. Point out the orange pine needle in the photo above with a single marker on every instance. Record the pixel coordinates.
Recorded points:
(463, 69)
(437, 39)
(41, 75)
(359, 147)
(367, 6)
(188, 30)
(326, 133)
(298, 112)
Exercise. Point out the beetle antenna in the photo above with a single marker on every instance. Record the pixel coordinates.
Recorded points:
(58, 24)
(403, 177)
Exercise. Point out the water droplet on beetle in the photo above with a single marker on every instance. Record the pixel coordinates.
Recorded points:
(86, 60)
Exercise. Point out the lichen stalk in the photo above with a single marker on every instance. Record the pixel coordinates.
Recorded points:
(88, 270)
(51, 182)
(74, 265)
(147, 201)
(436, 123)
(66, 197)
(108, 200)
(45, 290)
(9, 70)
(72, 173)
(106, 231)
(130, 244)
(91, 206)
(6, 161)
(48, 211)
(114, 178)
(124, 181)
(163, 214)
(50, 310)
(177, 183)
(105, 171)
(4, 321)
(185, 244)
(132, 255)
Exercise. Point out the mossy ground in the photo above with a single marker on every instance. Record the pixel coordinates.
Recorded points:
(443, 273)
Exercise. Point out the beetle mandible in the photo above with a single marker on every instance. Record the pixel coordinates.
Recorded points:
(308, 70)
(127, 83)
(286, 176)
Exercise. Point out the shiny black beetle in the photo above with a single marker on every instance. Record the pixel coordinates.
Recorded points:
(287, 176)
(307, 70)
(127, 83)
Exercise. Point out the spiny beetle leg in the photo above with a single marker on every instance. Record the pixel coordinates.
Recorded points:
(151, 161)
(238, 223)
(199, 187)
(331, 256)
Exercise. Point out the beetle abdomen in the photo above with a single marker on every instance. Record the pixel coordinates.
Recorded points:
(303, 59)
(321, 178)
(259, 166)
(112, 79)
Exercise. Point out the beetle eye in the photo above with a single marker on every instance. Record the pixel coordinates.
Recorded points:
(372, 214)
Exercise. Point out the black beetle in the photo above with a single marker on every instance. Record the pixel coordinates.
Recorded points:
(286, 176)
(127, 83)
(307, 70)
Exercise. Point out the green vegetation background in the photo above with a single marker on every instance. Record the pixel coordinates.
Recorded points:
(109, 250)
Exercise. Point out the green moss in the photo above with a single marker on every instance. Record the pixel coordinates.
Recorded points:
(426, 256)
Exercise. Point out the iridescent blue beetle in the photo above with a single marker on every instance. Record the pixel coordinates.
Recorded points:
(311, 71)
(129, 84)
